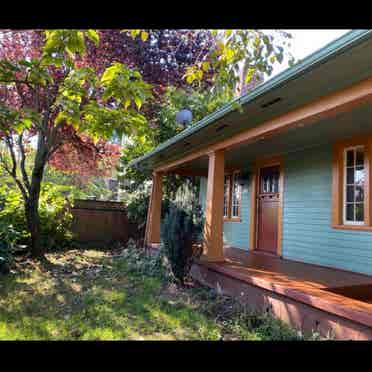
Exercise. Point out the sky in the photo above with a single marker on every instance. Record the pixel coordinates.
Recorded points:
(305, 42)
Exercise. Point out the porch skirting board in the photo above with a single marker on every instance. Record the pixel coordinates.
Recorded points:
(298, 314)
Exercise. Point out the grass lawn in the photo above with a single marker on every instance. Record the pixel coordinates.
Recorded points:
(89, 295)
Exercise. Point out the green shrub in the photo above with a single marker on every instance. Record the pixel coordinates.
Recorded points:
(137, 206)
(54, 210)
(56, 216)
(138, 261)
(12, 213)
(8, 237)
(5, 258)
(181, 228)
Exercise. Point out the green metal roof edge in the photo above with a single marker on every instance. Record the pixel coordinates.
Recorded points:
(321, 55)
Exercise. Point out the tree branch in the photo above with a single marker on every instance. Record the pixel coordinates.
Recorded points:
(9, 143)
(13, 174)
(23, 162)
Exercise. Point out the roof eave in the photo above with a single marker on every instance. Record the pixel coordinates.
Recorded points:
(331, 50)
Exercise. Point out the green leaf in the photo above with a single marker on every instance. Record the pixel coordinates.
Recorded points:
(27, 123)
(205, 66)
(249, 75)
(134, 33)
(144, 35)
(110, 73)
(199, 74)
(126, 104)
(138, 102)
(93, 35)
(190, 78)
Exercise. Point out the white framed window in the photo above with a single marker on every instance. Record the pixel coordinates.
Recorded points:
(354, 185)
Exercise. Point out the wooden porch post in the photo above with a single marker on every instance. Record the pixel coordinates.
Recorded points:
(152, 235)
(213, 226)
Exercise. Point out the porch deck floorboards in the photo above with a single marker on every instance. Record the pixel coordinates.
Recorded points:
(339, 292)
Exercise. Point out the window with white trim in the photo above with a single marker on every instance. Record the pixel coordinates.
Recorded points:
(354, 185)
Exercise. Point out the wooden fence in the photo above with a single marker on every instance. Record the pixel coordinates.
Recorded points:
(101, 222)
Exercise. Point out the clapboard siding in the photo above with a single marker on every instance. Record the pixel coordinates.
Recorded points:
(307, 212)
(235, 233)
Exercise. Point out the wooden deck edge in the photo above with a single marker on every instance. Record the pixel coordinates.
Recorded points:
(358, 316)
(305, 318)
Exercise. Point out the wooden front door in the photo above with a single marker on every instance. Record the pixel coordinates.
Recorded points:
(268, 198)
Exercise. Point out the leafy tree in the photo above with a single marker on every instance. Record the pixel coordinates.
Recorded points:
(221, 60)
(162, 56)
(164, 126)
(224, 64)
(47, 95)
(227, 63)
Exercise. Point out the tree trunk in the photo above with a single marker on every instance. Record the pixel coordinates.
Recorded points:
(34, 227)
(32, 204)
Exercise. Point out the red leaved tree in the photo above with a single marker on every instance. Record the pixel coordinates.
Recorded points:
(69, 107)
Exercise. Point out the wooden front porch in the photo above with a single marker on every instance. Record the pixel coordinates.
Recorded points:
(332, 302)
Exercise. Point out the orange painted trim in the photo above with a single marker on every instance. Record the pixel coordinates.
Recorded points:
(233, 219)
(152, 234)
(253, 221)
(213, 222)
(232, 170)
(328, 106)
(357, 315)
(190, 172)
(338, 183)
(369, 181)
(353, 227)
(257, 165)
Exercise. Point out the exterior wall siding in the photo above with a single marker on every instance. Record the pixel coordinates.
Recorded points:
(235, 234)
(307, 212)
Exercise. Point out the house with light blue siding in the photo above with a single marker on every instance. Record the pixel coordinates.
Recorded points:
(286, 185)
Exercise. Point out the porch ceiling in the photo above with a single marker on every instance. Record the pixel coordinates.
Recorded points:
(327, 131)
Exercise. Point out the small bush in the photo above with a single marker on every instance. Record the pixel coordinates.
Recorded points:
(8, 237)
(140, 262)
(54, 211)
(181, 229)
(137, 208)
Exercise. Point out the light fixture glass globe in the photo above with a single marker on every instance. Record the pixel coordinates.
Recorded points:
(184, 116)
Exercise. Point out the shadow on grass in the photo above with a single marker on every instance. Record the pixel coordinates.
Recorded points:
(74, 296)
